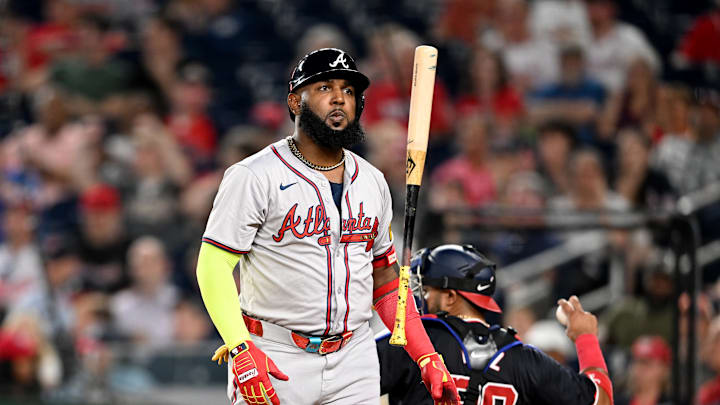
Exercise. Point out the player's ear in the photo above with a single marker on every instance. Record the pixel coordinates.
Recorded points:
(293, 102)
(451, 297)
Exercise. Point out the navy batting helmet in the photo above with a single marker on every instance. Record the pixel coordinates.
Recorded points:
(458, 267)
(329, 63)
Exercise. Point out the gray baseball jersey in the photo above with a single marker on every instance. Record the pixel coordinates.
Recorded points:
(305, 266)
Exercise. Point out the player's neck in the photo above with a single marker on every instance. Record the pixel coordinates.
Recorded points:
(320, 156)
(315, 153)
(472, 316)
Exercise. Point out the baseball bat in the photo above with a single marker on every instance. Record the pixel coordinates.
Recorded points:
(423, 83)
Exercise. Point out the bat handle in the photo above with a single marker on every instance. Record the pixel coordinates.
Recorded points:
(398, 334)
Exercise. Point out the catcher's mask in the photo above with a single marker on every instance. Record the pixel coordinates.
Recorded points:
(455, 267)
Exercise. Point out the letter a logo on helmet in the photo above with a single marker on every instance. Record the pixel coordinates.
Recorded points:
(324, 64)
(340, 60)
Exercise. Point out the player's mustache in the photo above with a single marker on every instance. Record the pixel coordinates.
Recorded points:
(337, 110)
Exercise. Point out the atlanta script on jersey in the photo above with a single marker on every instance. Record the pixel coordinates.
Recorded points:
(306, 265)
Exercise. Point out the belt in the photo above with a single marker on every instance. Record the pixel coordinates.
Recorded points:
(321, 345)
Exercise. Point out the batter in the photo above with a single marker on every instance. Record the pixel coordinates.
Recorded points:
(309, 223)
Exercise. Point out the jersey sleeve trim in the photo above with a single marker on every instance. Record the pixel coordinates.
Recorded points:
(224, 247)
(386, 259)
(597, 392)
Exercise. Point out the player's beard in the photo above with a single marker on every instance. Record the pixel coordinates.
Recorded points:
(323, 135)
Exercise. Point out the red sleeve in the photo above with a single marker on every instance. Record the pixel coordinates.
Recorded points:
(418, 342)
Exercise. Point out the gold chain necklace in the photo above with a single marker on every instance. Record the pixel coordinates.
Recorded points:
(296, 152)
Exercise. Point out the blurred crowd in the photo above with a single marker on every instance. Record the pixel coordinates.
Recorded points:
(117, 120)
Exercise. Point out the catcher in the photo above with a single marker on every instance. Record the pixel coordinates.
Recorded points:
(490, 366)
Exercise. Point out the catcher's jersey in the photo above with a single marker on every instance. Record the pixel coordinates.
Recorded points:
(511, 373)
(306, 265)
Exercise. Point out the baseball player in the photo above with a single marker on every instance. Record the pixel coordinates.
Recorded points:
(308, 224)
(490, 366)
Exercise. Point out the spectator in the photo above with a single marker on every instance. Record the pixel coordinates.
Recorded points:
(491, 93)
(231, 39)
(636, 105)
(21, 268)
(386, 145)
(466, 176)
(531, 62)
(51, 305)
(688, 154)
(161, 52)
(392, 53)
(93, 77)
(521, 319)
(588, 186)
(649, 313)
(103, 239)
(144, 311)
(190, 323)
(556, 140)
(575, 98)
(560, 21)
(709, 392)
(615, 45)
(641, 185)
(188, 121)
(703, 169)
(92, 331)
(526, 193)
(649, 373)
(699, 44)
(46, 42)
(53, 147)
(323, 36)
(549, 336)
(33, 362)
(465, 20)
(588, 192)
(673, 152)
(160, 169)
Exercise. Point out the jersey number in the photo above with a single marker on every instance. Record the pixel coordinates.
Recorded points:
(498, 394)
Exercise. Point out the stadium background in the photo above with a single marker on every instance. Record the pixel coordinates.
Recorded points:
(117, 119)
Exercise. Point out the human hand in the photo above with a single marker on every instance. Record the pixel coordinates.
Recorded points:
(251, 368)
(579, 321)
(438, 380)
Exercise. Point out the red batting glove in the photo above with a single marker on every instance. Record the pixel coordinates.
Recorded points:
(437, 380)
(251, 367)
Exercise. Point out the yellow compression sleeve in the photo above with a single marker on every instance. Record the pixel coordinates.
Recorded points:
(217, 287)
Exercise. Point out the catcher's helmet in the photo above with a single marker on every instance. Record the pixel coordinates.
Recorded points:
(461, 268)
(329, 63)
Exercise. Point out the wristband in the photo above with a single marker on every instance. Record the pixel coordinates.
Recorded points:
(385, 289)
(588, 352)
(592, 363)
(241, 348)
